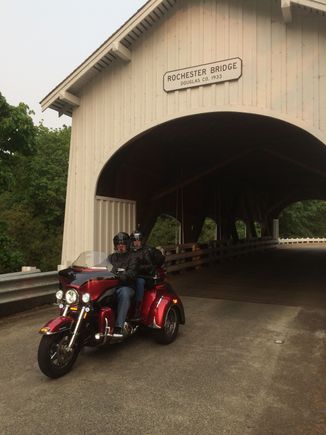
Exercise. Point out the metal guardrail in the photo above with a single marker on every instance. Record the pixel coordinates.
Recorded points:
(288, 241)
(23, 290)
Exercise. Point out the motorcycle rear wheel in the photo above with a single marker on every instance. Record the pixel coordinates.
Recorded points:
(53, 357)
(169, 332)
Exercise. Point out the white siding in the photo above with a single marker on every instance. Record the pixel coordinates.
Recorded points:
(112, 215)
(284, 75)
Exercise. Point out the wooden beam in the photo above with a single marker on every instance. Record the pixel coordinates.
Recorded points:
(313, 4)
(201, 174)
(295, 162)
(66, 109)
(286, 11)
(279, 204)
(121, 51)
(69, 98)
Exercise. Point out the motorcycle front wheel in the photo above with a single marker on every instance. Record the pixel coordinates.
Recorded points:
(54, 357)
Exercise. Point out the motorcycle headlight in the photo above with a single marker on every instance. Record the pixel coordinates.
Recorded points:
(59, 295)
(86, 298)
(71, 296)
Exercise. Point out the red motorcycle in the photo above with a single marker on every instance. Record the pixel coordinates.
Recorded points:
(87, 304)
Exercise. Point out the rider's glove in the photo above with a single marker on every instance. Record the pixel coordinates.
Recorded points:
(122, 276)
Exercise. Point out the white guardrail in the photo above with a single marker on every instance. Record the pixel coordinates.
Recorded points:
(305, 240)
(23, 290)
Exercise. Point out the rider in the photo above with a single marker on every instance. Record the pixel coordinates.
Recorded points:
(125, 265)
(148, 258)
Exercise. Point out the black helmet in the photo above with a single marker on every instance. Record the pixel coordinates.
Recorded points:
(136, 235)
(121, 238)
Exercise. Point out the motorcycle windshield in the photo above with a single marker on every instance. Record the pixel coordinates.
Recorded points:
(93, 260)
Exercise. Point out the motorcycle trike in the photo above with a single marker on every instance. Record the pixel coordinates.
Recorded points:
(87, 313)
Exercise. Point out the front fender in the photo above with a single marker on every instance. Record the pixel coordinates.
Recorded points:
(57, 325)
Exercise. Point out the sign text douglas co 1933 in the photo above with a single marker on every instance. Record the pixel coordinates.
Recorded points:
(207, 74)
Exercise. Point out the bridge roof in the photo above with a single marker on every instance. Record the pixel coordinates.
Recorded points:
(64, 97)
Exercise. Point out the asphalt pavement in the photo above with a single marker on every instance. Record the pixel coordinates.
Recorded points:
(251, 359)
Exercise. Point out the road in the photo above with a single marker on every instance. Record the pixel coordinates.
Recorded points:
(250, 360)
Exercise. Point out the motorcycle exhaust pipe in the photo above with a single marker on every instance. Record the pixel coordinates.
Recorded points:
(106, 334)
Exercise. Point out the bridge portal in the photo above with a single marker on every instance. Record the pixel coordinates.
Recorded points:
(197, 109)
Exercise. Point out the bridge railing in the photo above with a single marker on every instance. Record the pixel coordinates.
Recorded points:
(22, 290)
(191, 255)
(302, 240)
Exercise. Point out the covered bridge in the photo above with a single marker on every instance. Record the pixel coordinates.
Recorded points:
(196, 108)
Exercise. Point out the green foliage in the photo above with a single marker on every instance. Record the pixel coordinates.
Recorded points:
(32, 204)
(208, 231)
(47, 175)
(241, 229)
(36, 243)
(165, 231)
(304, 219)
(258, 229)
(17, 137)
(10, 256)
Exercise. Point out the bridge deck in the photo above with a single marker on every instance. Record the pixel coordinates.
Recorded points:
(224, 374)
(289, 275)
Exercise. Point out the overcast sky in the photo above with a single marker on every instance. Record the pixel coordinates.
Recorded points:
(42, 41)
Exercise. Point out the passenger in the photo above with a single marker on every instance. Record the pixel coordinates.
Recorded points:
(125, 266)
(148, 259)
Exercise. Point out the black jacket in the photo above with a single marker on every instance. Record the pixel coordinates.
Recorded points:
(148, 258)
(157, 257)
(129, 263)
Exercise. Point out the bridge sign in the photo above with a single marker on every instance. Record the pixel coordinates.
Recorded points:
(200, 75)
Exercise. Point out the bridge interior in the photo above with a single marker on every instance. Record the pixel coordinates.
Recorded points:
(289, 275)
(227, 166)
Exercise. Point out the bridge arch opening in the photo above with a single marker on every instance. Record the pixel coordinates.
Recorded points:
(237, 166)
(241, 228)
(303, 219)
(209, 231)
(257, 229)
(165, 231)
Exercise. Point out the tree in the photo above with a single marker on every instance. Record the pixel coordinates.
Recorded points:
(304, 219)
(241, 229)
(17, 137)
(208, 231)
(10, 257)
(46, 175)
(165, 231)
(33, 204)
